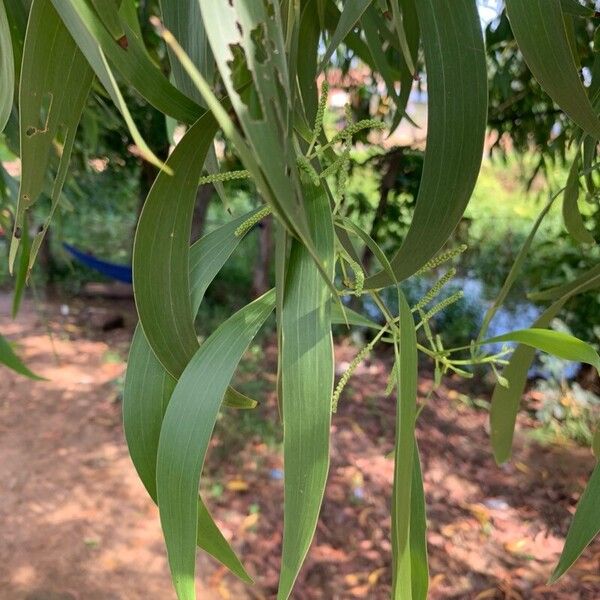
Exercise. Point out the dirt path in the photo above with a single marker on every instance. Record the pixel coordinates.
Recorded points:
(76, 524)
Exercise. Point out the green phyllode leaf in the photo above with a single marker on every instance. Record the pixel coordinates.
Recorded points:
(455, 60)
(409, 550)
(132, 61)
(95, 56)
(9, 359)
(505, 400)
(557, 343)
(184, 21)
(148, 388)
(539, 28)
(186, 431)
(584, 527)
(307, 384)
(251, 33)
(7, 69)
(351, 13)
(55, 82)
(161, 279)
(572, 217)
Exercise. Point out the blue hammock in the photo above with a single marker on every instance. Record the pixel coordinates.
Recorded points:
(112, 270)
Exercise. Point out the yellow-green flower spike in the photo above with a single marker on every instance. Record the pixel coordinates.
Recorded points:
(359, 278)
(333, 168)
(248, 224)
(355, 128)
(343, 172)
(320, 113)
(304, 165)
(228, 176)
(443, 304)
(440, 259)
(339, 388)
(434, 292)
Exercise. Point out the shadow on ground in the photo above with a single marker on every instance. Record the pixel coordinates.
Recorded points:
(76, 522)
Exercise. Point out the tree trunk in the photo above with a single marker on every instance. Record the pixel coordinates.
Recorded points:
(203, 196)
(387, 185)
(261, 271)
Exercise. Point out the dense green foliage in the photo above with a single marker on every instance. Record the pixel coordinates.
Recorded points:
(244, 73)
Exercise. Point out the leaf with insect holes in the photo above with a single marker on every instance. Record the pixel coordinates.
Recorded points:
(128, 56)
(247, 36)
(55, 82)
(97, 60)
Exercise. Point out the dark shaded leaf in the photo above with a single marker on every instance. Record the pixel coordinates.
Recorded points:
(455, 61)
(539, 28)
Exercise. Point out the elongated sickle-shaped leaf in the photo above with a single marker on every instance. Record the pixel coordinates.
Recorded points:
(250, 158)
(351, 13)
(574, 8)
(586, 281)
(9, 359)
(16, 13)
(596, 442)
(455, 60)
(247, 35)
(410, 22)
(419, 577)
(505, 401)
(183, 19)
(370, 21)
(55, 82)
(307, 386)
(405, 350)
(306, 61)
(186, 431)
(161, 251)
(133, 62)
(347, 316)
(539, 28)
(584, 527)
(148, 389)
(7, 68)
(570, 208)
(97, 60)
(557, 343)
(143, 402)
